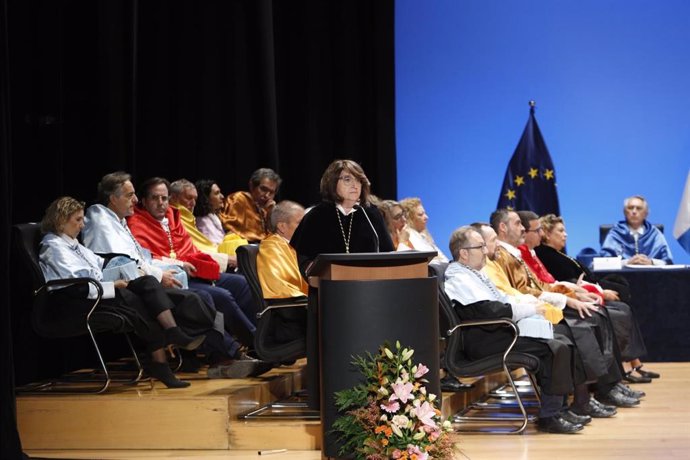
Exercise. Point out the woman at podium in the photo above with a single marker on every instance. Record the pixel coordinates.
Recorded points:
(345, 221)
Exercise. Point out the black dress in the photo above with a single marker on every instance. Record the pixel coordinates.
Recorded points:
(326, 230)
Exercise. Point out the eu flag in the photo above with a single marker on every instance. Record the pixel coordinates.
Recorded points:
(530, 180)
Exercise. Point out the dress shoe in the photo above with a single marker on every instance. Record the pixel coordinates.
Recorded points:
(557, 424)
(176, 337)
(450, 384)
(649, 374)
(594, 409)
(238, 369)
(632, 378)
(627, 391)
(574, 418)
(617, 398)
(162, 372)
(603, 406)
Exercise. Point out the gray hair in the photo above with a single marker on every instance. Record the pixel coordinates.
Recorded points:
(179, 186)
(639, 197)
(110, 185)
(264, 173)
(460, 238)
(282, 212)
(498, 217)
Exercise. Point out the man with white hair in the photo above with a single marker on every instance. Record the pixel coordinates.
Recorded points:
(635, 239)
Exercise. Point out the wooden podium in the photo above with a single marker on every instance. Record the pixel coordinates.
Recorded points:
(364, 300)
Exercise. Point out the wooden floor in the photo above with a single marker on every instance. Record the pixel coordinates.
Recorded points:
(658, 429)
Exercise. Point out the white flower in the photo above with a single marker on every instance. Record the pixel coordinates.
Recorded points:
(400, 421)
(407, 354)
(388, 353)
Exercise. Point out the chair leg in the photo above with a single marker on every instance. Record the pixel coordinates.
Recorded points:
(523, 418)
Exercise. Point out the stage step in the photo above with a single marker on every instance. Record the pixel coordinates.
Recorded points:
(203, 416)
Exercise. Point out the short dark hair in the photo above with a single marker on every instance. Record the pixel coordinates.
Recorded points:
(526, 217)
(148, 184)
(498, 217)
(203, 204)
(331, 176)
(264, 173)
(111, 184)
(59, 212)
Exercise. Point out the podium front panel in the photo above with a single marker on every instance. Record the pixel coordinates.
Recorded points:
(359, 316)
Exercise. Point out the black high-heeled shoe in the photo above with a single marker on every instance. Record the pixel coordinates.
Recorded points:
(648, 374)
(176, 337)
(162, 372)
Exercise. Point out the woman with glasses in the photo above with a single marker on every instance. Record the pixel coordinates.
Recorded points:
(420, 237)
(396, 223)
(345, 221)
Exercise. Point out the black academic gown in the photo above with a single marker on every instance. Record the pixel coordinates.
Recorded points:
(324, 230)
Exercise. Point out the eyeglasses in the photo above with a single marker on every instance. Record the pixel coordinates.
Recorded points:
(398, 216)
(266, 190)
(482, 247)
(535, 230)
(350, 180)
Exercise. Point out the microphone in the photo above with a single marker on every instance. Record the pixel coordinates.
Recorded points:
(376, 235)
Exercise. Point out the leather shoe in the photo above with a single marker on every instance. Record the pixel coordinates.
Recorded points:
(162, 372)
(603, 406)
(574, 418)
(450, 384)
(627, 391)
(632, 378)
(557, 424)
(617, 398)
(594, 409)
(648, 374)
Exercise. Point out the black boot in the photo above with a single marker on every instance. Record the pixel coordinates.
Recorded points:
(162, 372)
(175, 336)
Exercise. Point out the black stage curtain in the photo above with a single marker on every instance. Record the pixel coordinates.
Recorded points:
(195, 89)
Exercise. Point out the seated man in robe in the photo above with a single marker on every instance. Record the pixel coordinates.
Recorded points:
(106, 232)
(279, 273)
(590, 329)
(475, 297)
(157, 226)
(276, 263)
(248, 213)
(635, 239)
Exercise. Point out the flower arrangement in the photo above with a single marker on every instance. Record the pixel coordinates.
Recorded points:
(391, 415)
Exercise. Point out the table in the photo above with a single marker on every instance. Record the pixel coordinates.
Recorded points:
(661, 302)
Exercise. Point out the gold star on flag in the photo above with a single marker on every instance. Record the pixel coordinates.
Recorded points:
(548, 174)
(519, 180)
(510, 194)
(533, 172)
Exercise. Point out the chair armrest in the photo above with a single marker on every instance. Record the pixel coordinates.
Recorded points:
(72, 281)
(282, 303)
(491, 322)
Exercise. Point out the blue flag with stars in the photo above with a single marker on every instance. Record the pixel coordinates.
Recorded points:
(530, 180)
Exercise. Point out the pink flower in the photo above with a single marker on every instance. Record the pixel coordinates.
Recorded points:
(421, 370)
(402, 391)
(397, 453)
(415, 450)
(425, 414)
(391, 406)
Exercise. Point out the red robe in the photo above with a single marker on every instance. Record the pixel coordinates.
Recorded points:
(150, 234)
(535, 265)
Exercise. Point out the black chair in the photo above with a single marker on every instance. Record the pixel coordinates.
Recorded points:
(52, 325)
(606, 228)
(272, 314)
(460, 366)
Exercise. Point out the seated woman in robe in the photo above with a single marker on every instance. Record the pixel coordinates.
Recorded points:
(566, 268)
(210, 202)
(141, 300)
(396, 222)
(420, 238)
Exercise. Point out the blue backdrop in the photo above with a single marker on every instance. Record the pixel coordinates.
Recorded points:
(611, 79)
